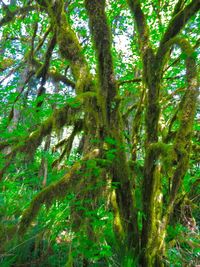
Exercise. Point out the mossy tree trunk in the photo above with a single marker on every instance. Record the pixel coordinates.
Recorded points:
(112, 125)
(154, 221)
(98, 99)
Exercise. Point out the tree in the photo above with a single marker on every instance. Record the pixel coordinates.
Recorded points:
(133, 148)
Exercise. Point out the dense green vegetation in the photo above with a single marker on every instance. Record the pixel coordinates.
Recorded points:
(99, 133)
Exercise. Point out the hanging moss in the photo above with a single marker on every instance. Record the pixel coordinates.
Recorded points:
(55, 191)
(55, 122)
(69, 46)
(71, 50)
(68, 142)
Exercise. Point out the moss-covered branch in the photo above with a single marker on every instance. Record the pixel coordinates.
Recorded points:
(56, 76)
(28, 145)
(137, 124)
(42, 72)
(178, 7)
(60, 117)
(135, 80)
(186, 115)
(183, 137)
(71, 50)
(179, 21)
(69, 45)
(68, 142)
(140, 20)
(102, 42)
(41, 42)
(55, 191)
(11, 15)
(147, 53)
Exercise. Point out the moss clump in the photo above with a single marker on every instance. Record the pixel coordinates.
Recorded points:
(117, 220)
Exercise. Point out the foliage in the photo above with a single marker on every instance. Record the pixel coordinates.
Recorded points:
(99, 133)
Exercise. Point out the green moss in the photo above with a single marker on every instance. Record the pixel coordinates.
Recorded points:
(117, 220)
(159, 148)
(55, 191)
(69, 46)
(71, 50)
(178, 21)
(102, 44)
(6, 234)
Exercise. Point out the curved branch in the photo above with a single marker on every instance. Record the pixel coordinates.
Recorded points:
(55, 191)
(71, 50)
(57, 120)
(69, 46)
(12, 14)
(174, 27)
(178, 21)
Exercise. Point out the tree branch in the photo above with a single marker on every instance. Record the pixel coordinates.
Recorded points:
(174, 27)
(137, 80)
(10, 15)
(29, 144)
(183, 135)
(56, 76)
(141, 24)
(55, 191)
(178, 7)
(57, 120)
(178, 21)
(69, 45)
(102, 41)
(78, 126)
(147, 52)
